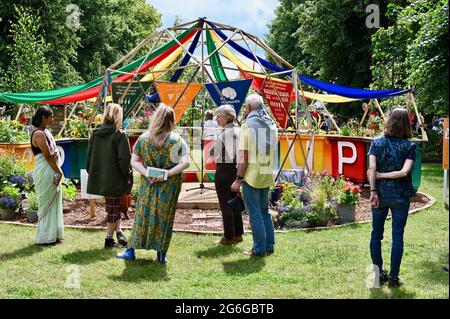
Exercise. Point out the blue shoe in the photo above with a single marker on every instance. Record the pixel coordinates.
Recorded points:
(161, 257)
(128, 254)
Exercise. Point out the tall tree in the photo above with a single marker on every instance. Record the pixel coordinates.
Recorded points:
(61, 40)
(28, 69)
(414, 51)
(83, 36)
(113, 28)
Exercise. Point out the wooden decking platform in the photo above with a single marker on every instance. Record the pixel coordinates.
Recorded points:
(193, 197)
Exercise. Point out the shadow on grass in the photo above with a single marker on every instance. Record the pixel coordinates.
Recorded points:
(396, 293)
(84, 257)
(216, 251)
(244, 267)
(23, 252)
(142, 270)
(434, 272)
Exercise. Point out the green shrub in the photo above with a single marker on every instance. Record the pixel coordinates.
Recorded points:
(69, 189)
(32, 201)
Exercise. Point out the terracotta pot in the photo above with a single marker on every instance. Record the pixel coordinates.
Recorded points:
(346, 213)
(6, 213)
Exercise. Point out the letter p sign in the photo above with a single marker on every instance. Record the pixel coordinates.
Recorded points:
(345, 160)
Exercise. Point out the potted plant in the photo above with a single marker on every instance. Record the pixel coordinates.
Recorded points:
(31, 207)
(348, 197)
(9, 202)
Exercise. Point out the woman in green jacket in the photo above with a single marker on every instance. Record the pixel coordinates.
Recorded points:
(108, 166)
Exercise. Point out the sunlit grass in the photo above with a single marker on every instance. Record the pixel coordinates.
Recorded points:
(322, 264)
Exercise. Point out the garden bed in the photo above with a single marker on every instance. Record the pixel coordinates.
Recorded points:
(76, 213)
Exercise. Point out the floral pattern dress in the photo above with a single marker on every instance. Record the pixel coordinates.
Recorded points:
(156, 202)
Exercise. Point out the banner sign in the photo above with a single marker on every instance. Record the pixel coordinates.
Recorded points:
(232, 93)
(134, 94)
(269, 90)
(170, 93)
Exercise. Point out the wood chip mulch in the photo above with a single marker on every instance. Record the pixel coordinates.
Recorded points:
(76, 213)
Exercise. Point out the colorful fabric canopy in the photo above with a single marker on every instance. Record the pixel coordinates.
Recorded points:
(244, 68)
(154, 98)
(351, 92)
(324, 86)
(214, 59)
(166, 54)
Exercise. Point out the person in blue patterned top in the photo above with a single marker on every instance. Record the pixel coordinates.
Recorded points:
(391, 159)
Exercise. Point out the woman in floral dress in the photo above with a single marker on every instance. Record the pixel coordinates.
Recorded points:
(156, 202)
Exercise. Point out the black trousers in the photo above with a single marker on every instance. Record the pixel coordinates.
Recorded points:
(232, 223)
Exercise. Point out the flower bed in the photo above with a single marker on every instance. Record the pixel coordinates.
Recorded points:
(317, 203)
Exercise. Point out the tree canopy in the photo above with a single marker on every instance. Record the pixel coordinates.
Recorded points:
(78, 38)
(329, 40)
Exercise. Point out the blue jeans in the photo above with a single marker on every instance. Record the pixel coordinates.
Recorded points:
(399, 210)
(257, 204)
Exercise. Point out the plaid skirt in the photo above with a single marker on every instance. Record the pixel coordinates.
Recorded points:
(113, 208)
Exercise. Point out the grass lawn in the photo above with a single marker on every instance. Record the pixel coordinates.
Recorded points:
(323, 264)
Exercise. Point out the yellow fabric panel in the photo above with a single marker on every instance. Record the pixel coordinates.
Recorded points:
(94, 99)
(163, 65)
(330, 98)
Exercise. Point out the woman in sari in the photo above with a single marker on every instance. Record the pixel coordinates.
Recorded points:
(47, 176)
(157, 198)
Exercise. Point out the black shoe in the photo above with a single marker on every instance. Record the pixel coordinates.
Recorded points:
(384, 278)
(110, 243)
(122, 239)
(252, 253)
(269, 251)
(395, 282)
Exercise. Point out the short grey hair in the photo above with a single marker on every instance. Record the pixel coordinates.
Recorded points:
(254, 100)
(226, 111)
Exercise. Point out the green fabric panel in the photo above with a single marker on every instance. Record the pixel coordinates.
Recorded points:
(219, 72)
(34, 97)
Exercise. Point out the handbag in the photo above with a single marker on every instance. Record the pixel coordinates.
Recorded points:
(236, 204)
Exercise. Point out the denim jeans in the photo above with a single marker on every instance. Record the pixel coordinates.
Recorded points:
(399, 207)
(257, 204)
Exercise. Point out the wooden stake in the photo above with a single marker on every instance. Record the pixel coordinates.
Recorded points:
(92, 205)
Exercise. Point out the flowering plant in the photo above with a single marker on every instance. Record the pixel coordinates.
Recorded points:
(13, 171)
(140, 122)
(13, 132)
(21, 181)
(374, 121)
(9, 197)
(77, 125)
(349, 193)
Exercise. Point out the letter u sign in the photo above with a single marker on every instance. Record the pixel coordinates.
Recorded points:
(345, 160)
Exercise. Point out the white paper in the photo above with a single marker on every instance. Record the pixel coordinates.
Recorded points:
(84, 180)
